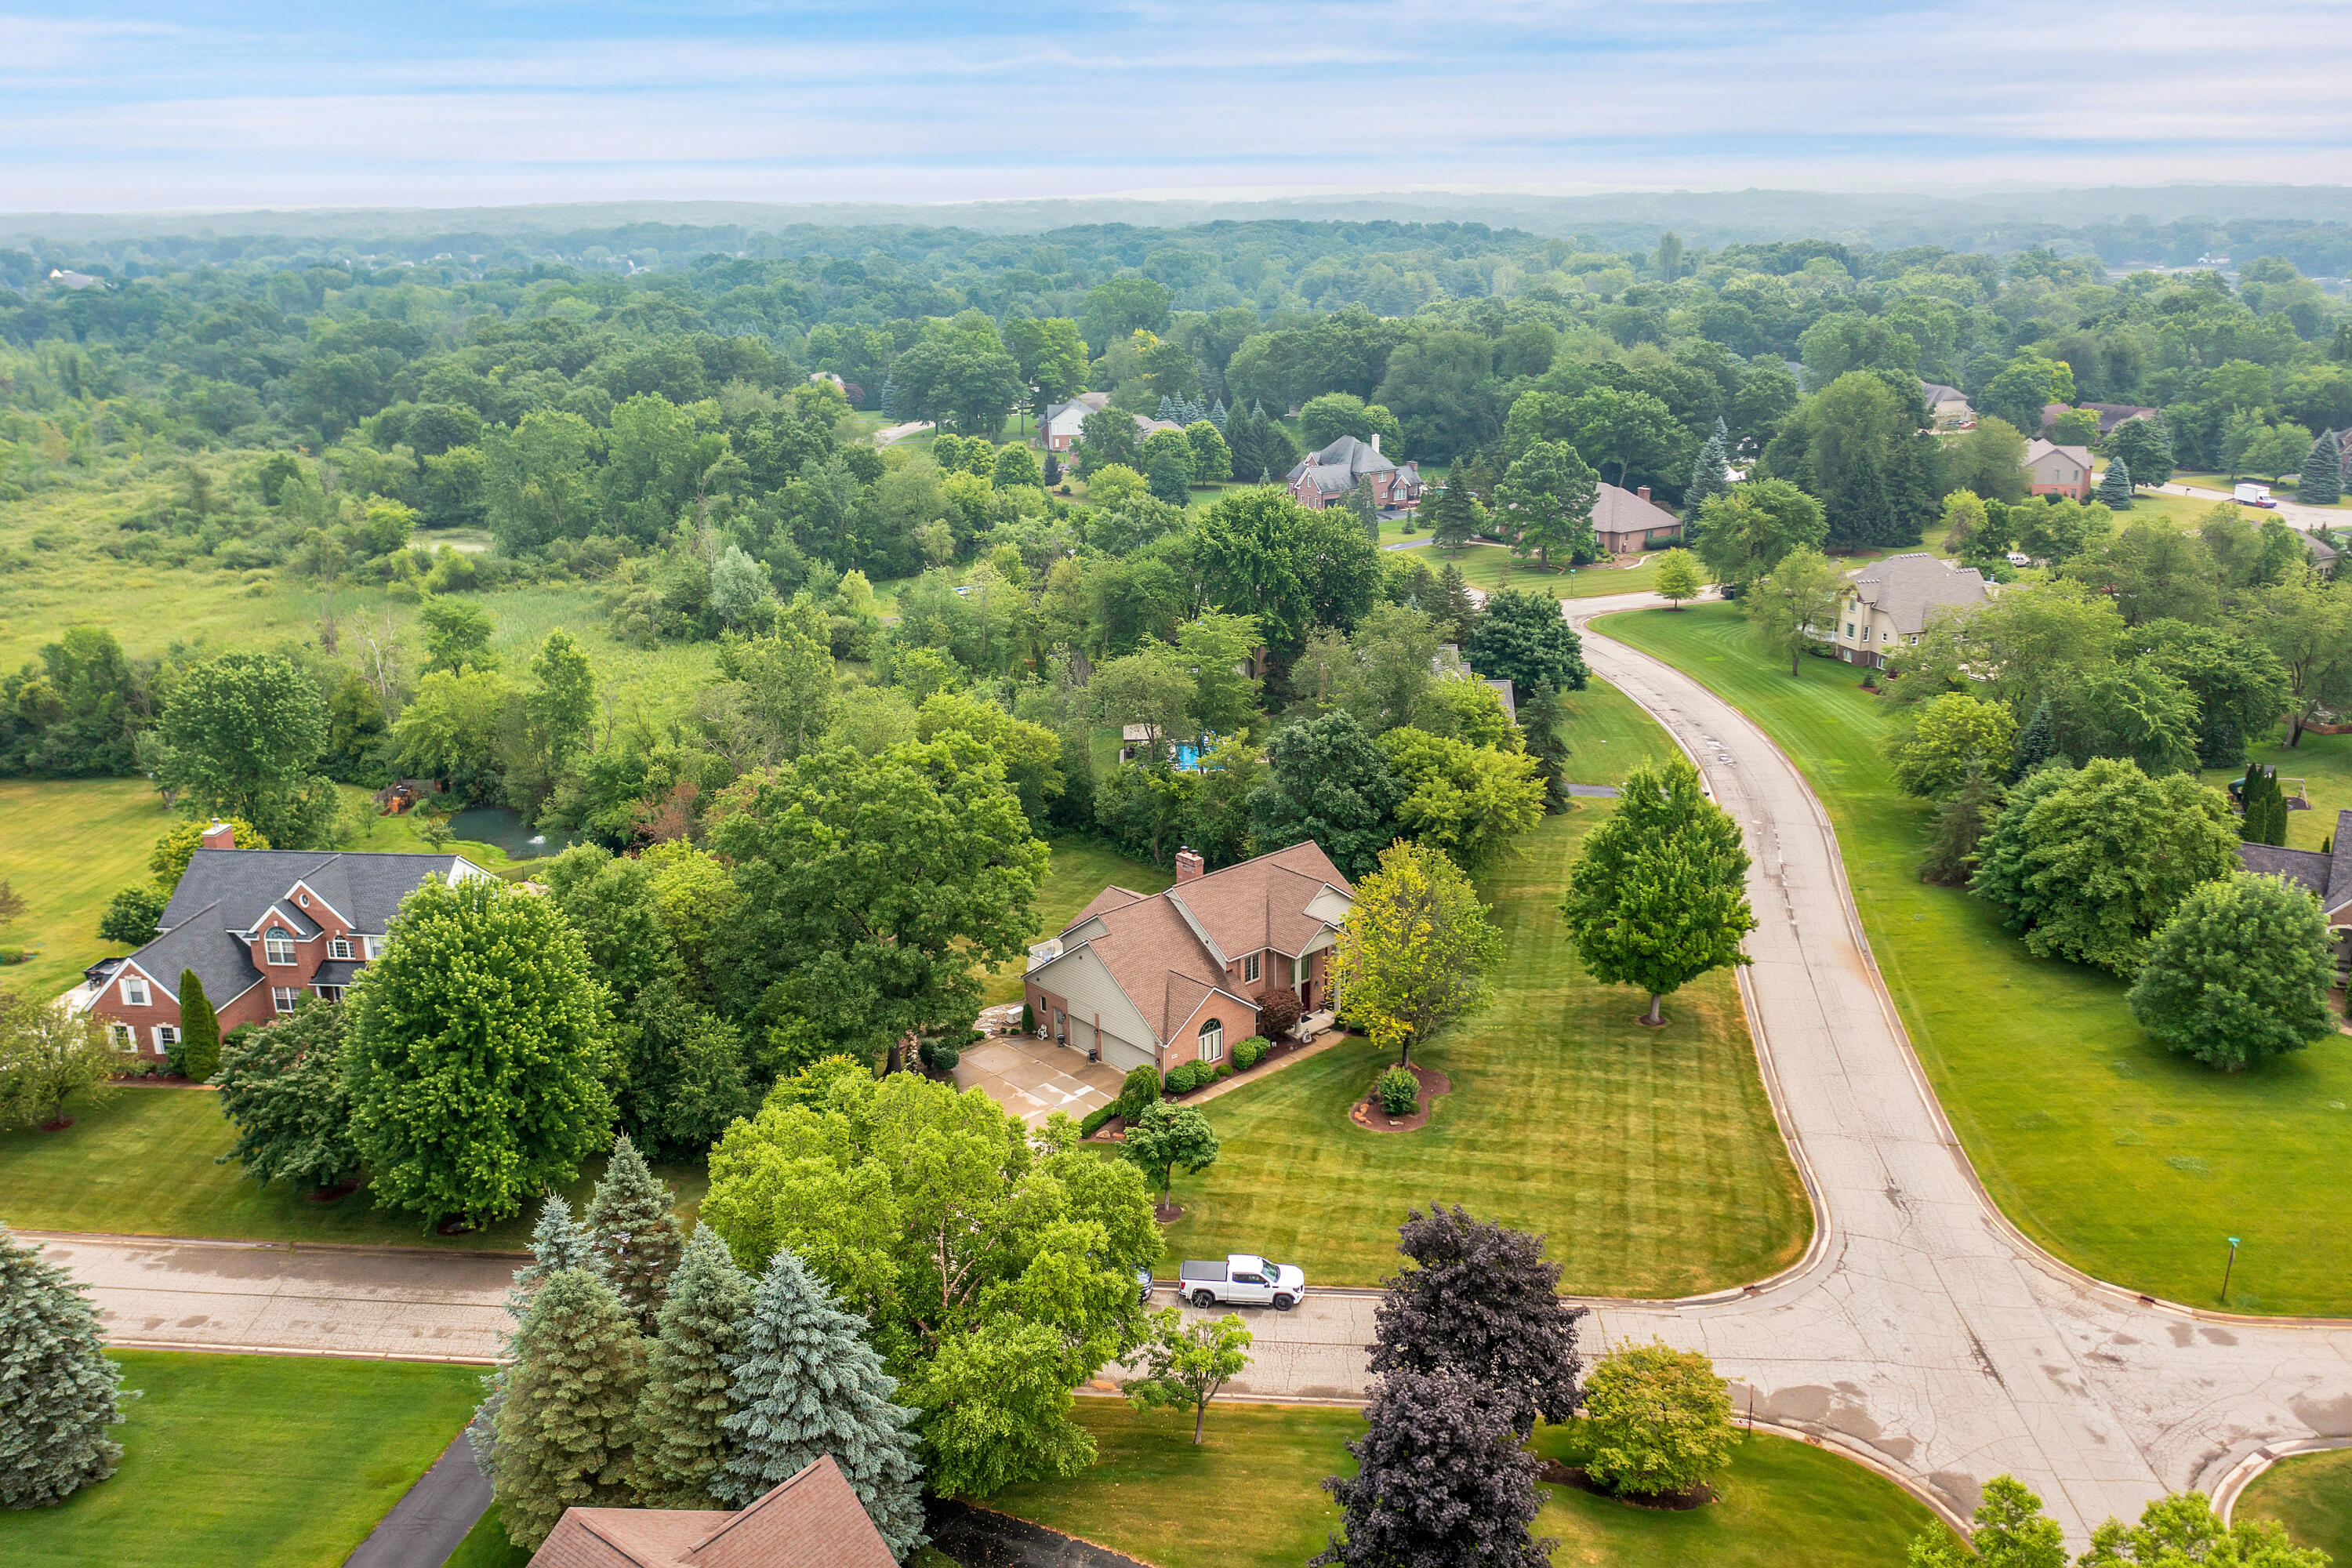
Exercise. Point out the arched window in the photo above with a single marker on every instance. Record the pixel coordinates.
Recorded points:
(1212, 1041)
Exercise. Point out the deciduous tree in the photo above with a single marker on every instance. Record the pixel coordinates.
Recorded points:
(1468, 801)
(1480, 1300)
(2239, 974)
(1259, 553)
(1933, 753)
(2012, 1531)
(1678, 578)
(241, 736)
(2182, 1529)
(1327, 781)
(1658, 894)
(1523, 639)
(62, 1392)
(48, 1055)
(1186, 1365)
(1546, 500)
(281, 1085)
(1441, 1481)
(1659, 1420)
(477, 1052)
(1411, 957)
(1167, 1137)
(1794, 600)
(1745, 531)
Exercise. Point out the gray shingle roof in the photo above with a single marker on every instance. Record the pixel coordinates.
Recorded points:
(1344, 459)
(2328, 877)
(1910, 588)
(1616, 510)
(224, 892)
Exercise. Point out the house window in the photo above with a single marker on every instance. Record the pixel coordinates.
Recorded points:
(340, 947)
(120, 1037)
(1249, 967)
(277, 945)
(372, 947)
(1212, 1041)
(303, 899)
(166, 1036)
(1849, 628)
(329, 992)
(283, 997)
(134, 991)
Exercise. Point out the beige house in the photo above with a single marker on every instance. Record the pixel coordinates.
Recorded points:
(1166, 978)
(2054, 470)
(1948, 406)
(1888, 604)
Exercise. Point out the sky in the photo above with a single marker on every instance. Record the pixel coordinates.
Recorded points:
(123, 107)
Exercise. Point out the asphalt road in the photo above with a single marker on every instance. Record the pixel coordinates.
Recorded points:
(1921, 1331)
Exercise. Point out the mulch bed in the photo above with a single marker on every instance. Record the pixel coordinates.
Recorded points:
(1560, 1474)
(59, 1125)
(1168, 1215)
(1368, 1114)
(329, 1194)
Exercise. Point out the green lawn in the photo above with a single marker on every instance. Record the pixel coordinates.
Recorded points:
(239, 1461)
(2128, 1162)
(486, 1546)
(141, 1164)
(1482, 567)
(1649, 1157)
(67, 849)
(2311, 1496)
(2323, 763)
(1250, 1497)
(1080, 869)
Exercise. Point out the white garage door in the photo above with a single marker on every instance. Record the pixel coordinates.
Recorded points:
(1118, 1054)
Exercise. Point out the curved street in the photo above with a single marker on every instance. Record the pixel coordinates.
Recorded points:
(1920, 1331)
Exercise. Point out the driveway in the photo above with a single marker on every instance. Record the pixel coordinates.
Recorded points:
(2306, 518)
(1033, 1079)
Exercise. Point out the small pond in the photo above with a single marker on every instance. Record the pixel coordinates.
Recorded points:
(507, 830)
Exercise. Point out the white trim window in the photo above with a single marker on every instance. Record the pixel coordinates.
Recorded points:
(1212, 1041)
(167, 1036)
(339, 947)
(1250, 969)
(371, 948)
(283, 997)
(277, 945)
(134, 991)
(121, 1037)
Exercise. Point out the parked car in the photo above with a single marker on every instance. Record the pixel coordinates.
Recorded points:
(1144, 1284)
(1243, 1279)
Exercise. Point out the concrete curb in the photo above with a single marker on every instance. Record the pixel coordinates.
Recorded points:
(2233, 1485)
(358, 1249)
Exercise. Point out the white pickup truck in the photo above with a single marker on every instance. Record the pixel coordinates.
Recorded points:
(1243, 1279)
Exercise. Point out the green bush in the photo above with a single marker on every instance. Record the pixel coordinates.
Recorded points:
(940, 1056)
(1399, 1091)
(1028, 1019)
(1250, 1052)
(1096, 1118)
(14, 954)
(1141, 1088)
(1188, 1076)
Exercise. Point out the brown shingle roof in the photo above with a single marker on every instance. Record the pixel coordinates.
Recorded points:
(1616, 510)
(1154, 946)
(1911, 587)
(812, 1520)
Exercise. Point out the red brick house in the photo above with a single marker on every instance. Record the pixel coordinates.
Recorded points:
(1329, 476)
(2054, 470)
(259, 926)
(812, 1520)
(1166, 978)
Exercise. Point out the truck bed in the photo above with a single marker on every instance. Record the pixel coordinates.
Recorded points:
(1206, 1273)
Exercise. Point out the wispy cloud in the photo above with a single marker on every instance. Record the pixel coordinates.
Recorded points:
(125, 106)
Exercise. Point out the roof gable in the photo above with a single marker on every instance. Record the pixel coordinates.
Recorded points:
(1908, 589)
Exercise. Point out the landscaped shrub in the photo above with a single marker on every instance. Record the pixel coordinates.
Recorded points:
(1277, 1013)
(1095, 1119)
(1028, 1019)
(1141, 1088)
(1250, 1052)
(1399, 1091)
(940, 1056)
(14, 954)
(1189, 1076)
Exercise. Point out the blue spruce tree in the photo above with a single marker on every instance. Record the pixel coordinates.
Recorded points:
(683, 1412)
(1710, 476)
(1167, 407)
(1217, 416)
(806, 1384)
(58, 1394)
(2321, 480)
(889, 399)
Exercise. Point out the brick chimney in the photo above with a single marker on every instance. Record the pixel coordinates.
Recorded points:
(219, 835)
(1188, 864)
(1644, 493)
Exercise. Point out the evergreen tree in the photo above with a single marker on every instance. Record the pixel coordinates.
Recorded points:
(567, 1431)
(199, 1030)
(1458, 612)
(2036, 744)
(2321, 480)
(889, 399)
(1167, 407)
(1710, 475)
(2265, 806)
(805, 1383)
(1454, 515)
(558, 1243)
(1053, 469)
(1367, 510)
(635, 1239)
(1258, 409)
(58, 1394)
(2116, 486)
(1217, 416)
(684, 1409)
(1958, 825)
(1543, 723)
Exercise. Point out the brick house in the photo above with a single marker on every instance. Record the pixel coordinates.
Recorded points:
(1162, 979)
(259, 926)
(1627, 523)
(1062, 419)
(1329, 476)
(2054, 470)
(2325, 875)
(812, 1520)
